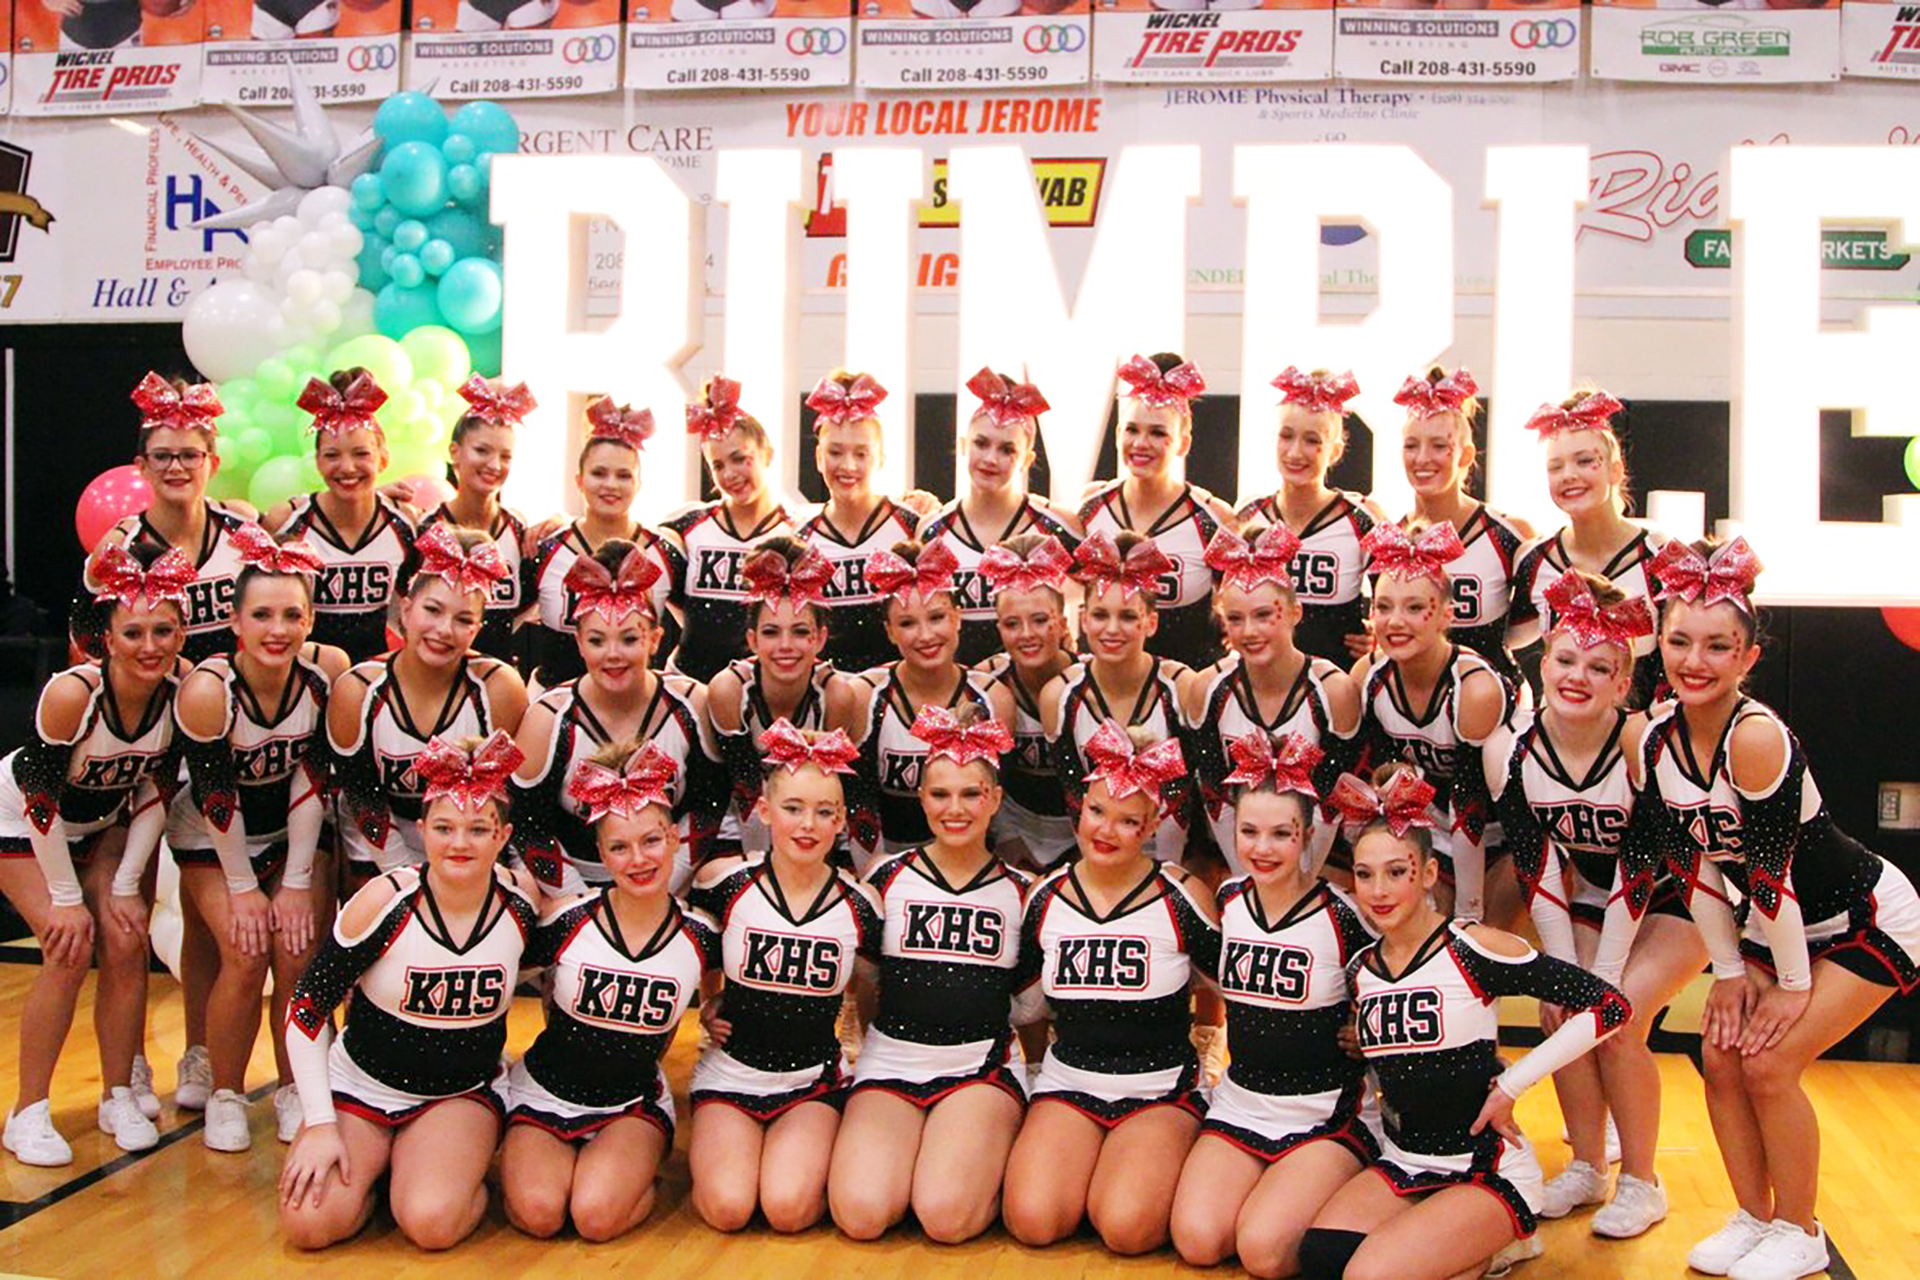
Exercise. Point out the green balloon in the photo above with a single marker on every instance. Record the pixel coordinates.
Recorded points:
(252, 446)
(438, 354)
(414, 457)
(237, 393)
(381, 356)
(303, 360)
(228, 483)
(234, 420)
(1913, 462)
(275, 377)
(276, 480)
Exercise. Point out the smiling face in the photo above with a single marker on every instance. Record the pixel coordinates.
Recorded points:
(804, 809)
(1258, 624)
(1114, 833)
(608, 478)
(1584, 472)
(997, 456)
(1391, 878)
(1437, 452)
(1033, 626)
(350, 462)
(738, 465)
(848, 454)
(1270, 834)
(177, 464)
(616, 654)
(463, 844)
(1584, 684)
(1308, 444)
(959, 800)
(787, 639)
(1152, 438)
(638, 851)
(482, 458)
(1707, 652)
(440, 623)
(925, 629)
(1410, 616)
(145, 638)
(1116, 622)
(272, 618)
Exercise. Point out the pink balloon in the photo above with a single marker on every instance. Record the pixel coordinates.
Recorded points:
(429, 491)
(109, 498)
(1904, 623)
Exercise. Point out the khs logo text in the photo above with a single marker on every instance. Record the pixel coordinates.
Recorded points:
(1715, 831)
(209, 602)
(1102, 964)
(953, 929)
(973, 593)
(1266, 971)
(791, 962)
(271, 760)
(1580, 825)
(353, 586)
(1030, 754)
(1398, 1019)
(639, 1000)
(717, 573)
(1316, 574)
(900, 771)
(112, 773)
(458, 995)
(849, 581)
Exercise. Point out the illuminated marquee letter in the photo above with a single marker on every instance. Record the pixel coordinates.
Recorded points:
(545, 204)
(880, 187)
(761, 189)
(1289, 191)
(1013, 313)
(1790, 368)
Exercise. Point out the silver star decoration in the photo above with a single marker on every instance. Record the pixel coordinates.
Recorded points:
(291, 162)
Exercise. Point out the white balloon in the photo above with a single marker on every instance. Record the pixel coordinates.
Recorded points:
(321, 201)
(356, 316)
(325, 317)
(304, 287)
(316, 249)
(267, 245)
(254, 267)
(347, 241)
(227, 329)
(336, 286)
(279, 333)
(289, 266)
(288, 225)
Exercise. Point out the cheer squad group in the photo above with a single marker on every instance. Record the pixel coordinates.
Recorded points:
(1147, 865)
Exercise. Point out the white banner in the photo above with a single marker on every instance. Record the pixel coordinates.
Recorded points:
(740, 44)
(934, 45)
(1175, 43)
(1534, 44)
(1880, 38)
(99, 82)
(508, 49)
(1688, 42)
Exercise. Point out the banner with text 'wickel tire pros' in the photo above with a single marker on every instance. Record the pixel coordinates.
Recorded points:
(972, 44)
(346, 50)
(6, 55)
(1212, 41)
(1728, 42)
(739, 44)
(1499, 42)
(1880, 38)
(106, 57)
(514, 48)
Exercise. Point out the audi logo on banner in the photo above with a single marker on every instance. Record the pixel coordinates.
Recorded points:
(811, 42)
(1547, 33)
(371, 57)
(589, 49)
(1056, 39)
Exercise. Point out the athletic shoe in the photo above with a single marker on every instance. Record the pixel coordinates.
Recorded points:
(1613, 1140)
(287, 1115)
(1574, 1187)
(1525, 1249)
(1785, 1253)
(1716, 1254)
(227, 1122)
(1635, 1207)
(142, 1084)
(31, 1137)
(193, 1078)
(120, 1116)
(1211, 1044)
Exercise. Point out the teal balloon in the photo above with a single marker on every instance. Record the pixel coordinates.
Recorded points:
(385, 221)
(410, 117)
(459, 149)
(410, 235)
(436, 256)
(373, 270)
(387, 255)
(367, 193)
(464, 230)
(406, 271)
(489, 124)
(465, 184)
(414, 176)
(485, 350)
(274, 481)
(1912, 460)
(398, 310)
(361, 218)
(469, 294)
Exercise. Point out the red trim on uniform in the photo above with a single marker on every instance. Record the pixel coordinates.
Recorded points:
(1473, 986)
(373, 1115)
(928, 1102)
(591, 1127)
(1184, 1103)
(1173, 917)
(1475, 1179)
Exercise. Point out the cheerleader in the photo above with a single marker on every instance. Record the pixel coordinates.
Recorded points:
(382, 714)
(924, 625)
(481, 456)
(1457, 1182)
(429, 954)
(362, 536)
(1283, 1131)
(1587, 479)
(1027, 575)
(619, 699)
(1425, 700)
(937, 1093)
(713, 538)
(1832, 929)
(784, 679)
(854, 522)
(1329, 577)
(589, 1113)
(1114, 940)
(999, 447)
(1265, 685)
(1437, 450)
(768, 1089)
(1156, 431)
(608, 476)
(94, 777)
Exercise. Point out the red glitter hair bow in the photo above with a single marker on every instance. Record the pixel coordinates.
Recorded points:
(1728, 574)
(1591, 412)
(1126, 771)
(931, 571)
(1289, 764)
(1580, 615)
(498, 402)
(1406, 558)
(442, 556)
(1268, 559)
(1423, 399)
(122, 578)
(945, 736)
(786, 747)
(1097, 565)
(1180, 385)
(647, 778)
(609, 421)
(338, 412)
(714, 417)
(834, 402)
(1317, 393)
(469, 781)
(1047, 566)
(1007, 402)
(772, 579)
(1405, 802)
(613, 595)
(195, 409)
(258, 550)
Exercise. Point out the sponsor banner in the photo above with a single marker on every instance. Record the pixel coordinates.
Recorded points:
(1690, 41)
(1878, 38)
(939, 45)
(738, 44)
(6, 55)
(1212, 41)
(346, 50)
(1509, 42)
(112, 57)
(514, 48)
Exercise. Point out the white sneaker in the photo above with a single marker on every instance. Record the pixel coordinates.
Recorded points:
(120, 1116)
(1211, 1044)
(227, 1122)
(1574, 1187)
(287, 1115)
(1786, 1253)
(142, 1084)
(32, 1138)
(1716, 1254)
(1525, 1249)
(1635, 1207)
(193, 1078)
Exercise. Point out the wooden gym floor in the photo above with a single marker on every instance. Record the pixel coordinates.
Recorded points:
(180, 1209)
